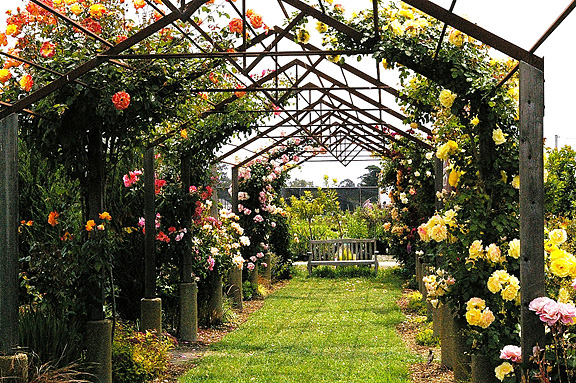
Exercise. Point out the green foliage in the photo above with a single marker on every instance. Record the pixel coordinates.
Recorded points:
(52, 339)
(139, 357)
(249, 291)
(416, 303)
(371, 177)
(426, 338)
(560, 195)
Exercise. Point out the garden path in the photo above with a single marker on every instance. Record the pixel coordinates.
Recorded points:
(316, 330)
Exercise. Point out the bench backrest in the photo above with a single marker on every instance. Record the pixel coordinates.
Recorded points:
(343, 249)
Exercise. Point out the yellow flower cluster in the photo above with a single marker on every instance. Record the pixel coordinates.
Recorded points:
(454, 177)
(445, 150)
(456, 37)
(508, 285)
(436, 227)
(560, 262)
(492, 252)
(437, 285)
(406, 22)
(477, 314)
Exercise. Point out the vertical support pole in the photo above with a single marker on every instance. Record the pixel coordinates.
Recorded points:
(235, 276)
(150, 305)
(531, 203)
(8, 233)
(188, 299)
(438, 179)
(150, 226)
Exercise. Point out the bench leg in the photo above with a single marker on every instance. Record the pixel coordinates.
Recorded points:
(376, 266)
(309, 269)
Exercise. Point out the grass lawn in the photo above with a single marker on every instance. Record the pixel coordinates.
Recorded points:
(316, 330)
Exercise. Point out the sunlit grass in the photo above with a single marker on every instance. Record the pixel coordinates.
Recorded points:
(316, 330)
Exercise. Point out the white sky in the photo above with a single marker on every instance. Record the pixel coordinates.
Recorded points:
(519, 21)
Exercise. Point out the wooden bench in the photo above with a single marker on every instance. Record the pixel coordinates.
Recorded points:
(342, 252)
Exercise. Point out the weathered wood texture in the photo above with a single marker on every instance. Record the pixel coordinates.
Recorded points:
(344, 251)
(150, 226)
(8, 233)
(531, 202)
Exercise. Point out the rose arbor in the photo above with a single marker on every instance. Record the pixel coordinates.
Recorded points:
(99, 51)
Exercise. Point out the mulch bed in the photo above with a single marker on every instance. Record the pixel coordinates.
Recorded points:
(184, 356)
(431, 370)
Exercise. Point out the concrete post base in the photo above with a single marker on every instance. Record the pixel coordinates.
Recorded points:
(454, 354)
(14, 368)
(188, 328)
(99, 349)
(235, 291)
(151, 315)
(483, 370)
(268, 269)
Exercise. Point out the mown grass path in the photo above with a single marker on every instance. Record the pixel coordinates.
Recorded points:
(315, 330)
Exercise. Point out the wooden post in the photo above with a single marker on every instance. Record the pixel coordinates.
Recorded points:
(438, 179)
(150, 226)
(8, 233)
(531, 204)
(150, 305)
(235, 276)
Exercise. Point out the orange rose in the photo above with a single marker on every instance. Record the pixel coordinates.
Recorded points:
(3, 39)
(53, 218)
(249, 13)
(121, 100)
(256, 21)
(5, 75)
(48, 49)
(105, 216)
(138, 4)
(90, 225)
(26, 82)
(235, 26)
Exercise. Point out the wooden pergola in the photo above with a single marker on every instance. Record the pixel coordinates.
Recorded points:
(334, 121)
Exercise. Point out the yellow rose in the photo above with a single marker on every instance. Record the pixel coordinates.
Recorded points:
(473, 317)
(498, 136)
(406, 13)
(516, 182)
(502, 370)
(321, 27)
(397, 28)
(475, 121)
(302, 36)
(446, 149)
(504, 176)
(475, 303)
(486, 319)
(493, 253)
(494, 284)
(456, 37)
(557, 236)
(476, 250)
(509, 293)
(454, 178)
(514, 248)
(439, 233)
(76, 9)
(447, 98)
(450, 217)
(560, 267)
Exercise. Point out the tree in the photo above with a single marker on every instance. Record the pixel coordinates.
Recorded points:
(371, 177)
(347, 183)
(298, 183)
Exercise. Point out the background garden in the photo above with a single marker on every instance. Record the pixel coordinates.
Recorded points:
(118, 172)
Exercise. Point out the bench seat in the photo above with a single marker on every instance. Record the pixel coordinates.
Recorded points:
(343, 252)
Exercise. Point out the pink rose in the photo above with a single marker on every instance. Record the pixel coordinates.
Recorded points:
(567, 313)
(512, 353)
(547, 309)
(250, 266)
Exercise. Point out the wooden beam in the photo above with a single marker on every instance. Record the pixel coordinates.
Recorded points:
(477, 32)
(531, 204)
(8, 233)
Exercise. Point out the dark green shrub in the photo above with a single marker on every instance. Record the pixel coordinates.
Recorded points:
(53, 340)
(249, 290)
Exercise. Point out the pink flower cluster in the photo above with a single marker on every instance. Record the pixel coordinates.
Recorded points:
(550, 311)
(258, 218)
(512, 353)
(211, 263)
(131, 178)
